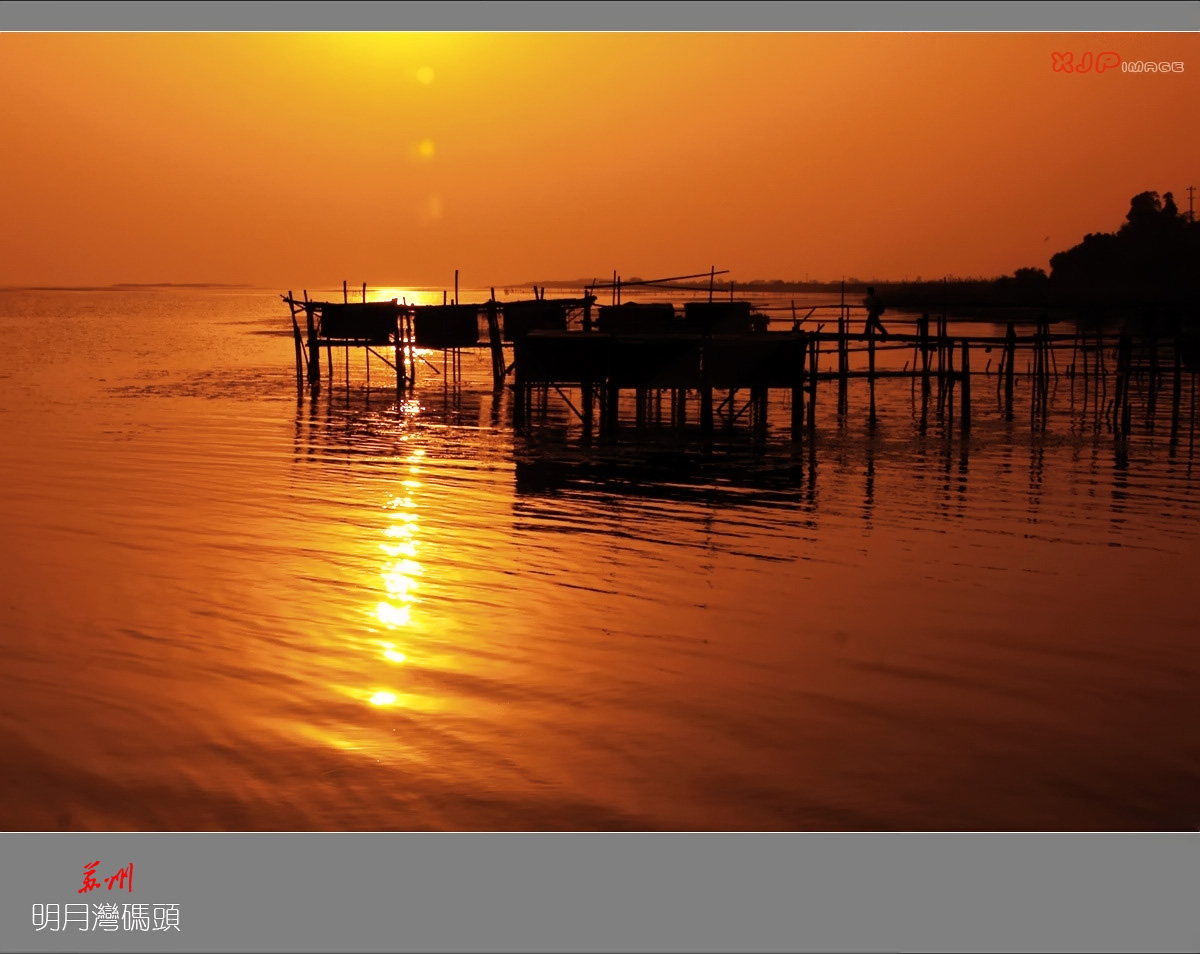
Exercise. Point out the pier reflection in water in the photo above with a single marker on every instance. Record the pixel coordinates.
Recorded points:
(348, 612)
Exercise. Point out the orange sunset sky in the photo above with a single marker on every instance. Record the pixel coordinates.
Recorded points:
(301, 159)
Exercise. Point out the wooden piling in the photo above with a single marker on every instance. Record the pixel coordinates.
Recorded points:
(1050, 349)
(397, 342)
(871, 356)
(871, 375)
(1121, 407)
(1010, 360)
(706, 409)
(798, 383)
(519, 396)
(966, 386)
(923, 344)
(758, 408)
(412, 349)
(813, 354)
(314, 350)
(1152, 396)
(843, 352)
(496, 342)
(298, 341)
(588, 411)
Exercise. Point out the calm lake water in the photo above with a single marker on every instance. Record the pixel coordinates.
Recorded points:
(224, 608)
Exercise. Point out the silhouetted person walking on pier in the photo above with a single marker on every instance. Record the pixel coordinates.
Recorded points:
(874, 309)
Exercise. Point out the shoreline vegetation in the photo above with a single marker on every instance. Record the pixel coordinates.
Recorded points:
(1147, 269)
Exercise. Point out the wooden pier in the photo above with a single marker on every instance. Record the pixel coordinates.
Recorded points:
(721, 360)
(731, 377)
(407, 331)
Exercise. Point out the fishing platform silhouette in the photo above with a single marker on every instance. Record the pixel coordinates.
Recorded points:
(723, 359)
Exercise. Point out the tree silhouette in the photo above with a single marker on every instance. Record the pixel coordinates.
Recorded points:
(1154, 257)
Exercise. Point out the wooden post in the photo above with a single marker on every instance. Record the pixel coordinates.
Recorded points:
(1010, 360)
(813, 354)
(946, 395)
(1048, 362)
(1152, 397)
(314, 350)
(1074, 351)
(364, 293)
(298, 341)
(798, 383)
(586, 386)
(1176, 389)
(456, 286)
(1086, 372)
(497, 343)
(949, 403)
(923, 335)
(706, 395)
(871, 373)
(706, 408)
(412, 349)
(400, 357)
(759, 396)
(843, 351)
(345, 293)
(1119, 384)
(1127, 362)
(519, 388)
(1050, 349)
(966, 386)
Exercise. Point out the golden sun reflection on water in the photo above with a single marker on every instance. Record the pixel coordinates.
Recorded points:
(409, 296)
(400, 573)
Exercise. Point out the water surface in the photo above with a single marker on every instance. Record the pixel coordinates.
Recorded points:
(227, 608)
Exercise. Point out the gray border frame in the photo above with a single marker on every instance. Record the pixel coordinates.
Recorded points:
(607, 892)
(620, 15)
(647, 892)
